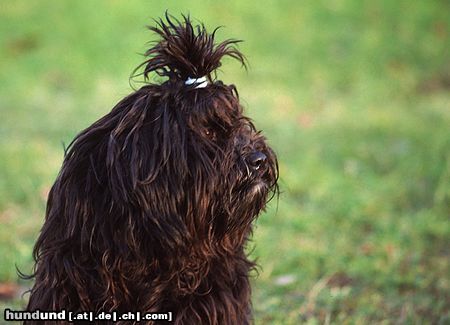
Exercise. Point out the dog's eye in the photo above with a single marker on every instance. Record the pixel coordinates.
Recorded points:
(210, 134)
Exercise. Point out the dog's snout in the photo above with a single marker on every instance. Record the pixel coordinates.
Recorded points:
(256, 160)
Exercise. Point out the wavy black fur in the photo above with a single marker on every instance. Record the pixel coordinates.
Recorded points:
(155, 201)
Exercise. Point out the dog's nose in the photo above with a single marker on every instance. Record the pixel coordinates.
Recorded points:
(257, 160)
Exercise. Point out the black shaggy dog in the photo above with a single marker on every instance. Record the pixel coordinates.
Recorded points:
(154, 202)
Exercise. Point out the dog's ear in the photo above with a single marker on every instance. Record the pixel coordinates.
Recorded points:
(186, 50)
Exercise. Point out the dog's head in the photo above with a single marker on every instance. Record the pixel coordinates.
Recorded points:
(176, 159)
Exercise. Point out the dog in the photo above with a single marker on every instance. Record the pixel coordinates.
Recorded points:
(154, 203)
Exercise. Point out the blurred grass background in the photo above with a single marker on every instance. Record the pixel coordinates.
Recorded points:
(353, 95)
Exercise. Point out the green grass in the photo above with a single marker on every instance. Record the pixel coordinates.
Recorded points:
(353, 95)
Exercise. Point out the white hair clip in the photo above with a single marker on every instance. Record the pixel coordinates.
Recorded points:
(200, 82)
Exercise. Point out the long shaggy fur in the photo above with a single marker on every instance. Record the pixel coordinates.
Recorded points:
(155, 201)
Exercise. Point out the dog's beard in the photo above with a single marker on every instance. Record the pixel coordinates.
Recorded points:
(258, 183)
(255, 185)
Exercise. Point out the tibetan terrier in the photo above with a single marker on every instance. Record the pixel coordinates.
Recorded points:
(154, 203)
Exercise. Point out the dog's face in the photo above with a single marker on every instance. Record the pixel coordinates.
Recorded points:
(235, 171)
(202, 161)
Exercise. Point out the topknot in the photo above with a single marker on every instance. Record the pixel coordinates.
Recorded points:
(186, 50)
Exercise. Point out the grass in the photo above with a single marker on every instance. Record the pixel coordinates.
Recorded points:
(353, 95)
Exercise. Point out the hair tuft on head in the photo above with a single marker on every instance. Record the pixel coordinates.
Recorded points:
(186, 50)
